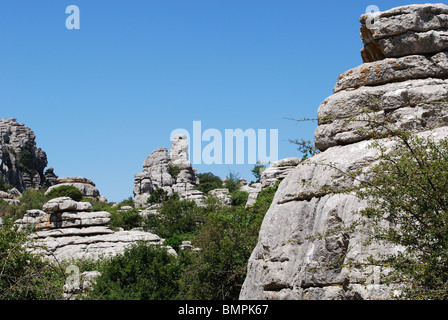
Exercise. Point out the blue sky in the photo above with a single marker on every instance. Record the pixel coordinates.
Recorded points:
(100, 99)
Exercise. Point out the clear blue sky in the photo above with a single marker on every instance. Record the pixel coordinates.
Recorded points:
(102, 98)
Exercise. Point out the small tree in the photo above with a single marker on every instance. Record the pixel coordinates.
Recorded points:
(258, 170)
(158, 196)
(232, 182)
(142, 272)
(208, 181)
(408, 189)
(23, 274)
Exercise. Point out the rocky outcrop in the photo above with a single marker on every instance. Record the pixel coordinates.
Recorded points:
(409, 30)
(404, 86)
(170, 171)
(86, 186)
(66, 229)
(278, 170)
(22, 163)
(11, 196)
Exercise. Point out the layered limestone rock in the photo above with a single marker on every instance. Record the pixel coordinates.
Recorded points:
(404, 87)
(170, 171)
(11, 196)
(278, 170)
(409, 30)
(22, 163)
(66, 229)
(86, 186)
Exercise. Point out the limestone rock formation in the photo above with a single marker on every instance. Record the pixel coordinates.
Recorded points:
(86, 186)
(409, 30)
(170, 171)
(11, 196)
(278, 170)
(22, 163)
(402, 83)
(68, 229)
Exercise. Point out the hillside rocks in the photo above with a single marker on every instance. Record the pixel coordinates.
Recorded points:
(403, 87)
(11, 196)
(170, 171)
(22, 163)
(86, 186)
(67, 229)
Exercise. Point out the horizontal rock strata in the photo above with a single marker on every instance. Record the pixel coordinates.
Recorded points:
(67, 229)
(401, 86)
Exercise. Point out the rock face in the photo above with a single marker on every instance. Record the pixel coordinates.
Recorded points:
(68, 229)
(403, 83)
(22, 164)
(170, 171)
(86, 186)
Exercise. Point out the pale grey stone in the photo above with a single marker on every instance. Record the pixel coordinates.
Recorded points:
(413, 104)
(394, 70)
(291, 261)
(402, 31)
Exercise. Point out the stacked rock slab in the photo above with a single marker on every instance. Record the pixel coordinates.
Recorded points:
(67, 229)
(170, 171)
(86, 186)
(22, 163)
(401, 86)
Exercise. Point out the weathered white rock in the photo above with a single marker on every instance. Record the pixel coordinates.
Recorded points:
(222, 194)
(277, 171)
(68, 230)
(292, 260)
(159, 168)
(288, 264)
(394, 70)
(402, 31)
(66, 204)
(18, 143)
(399, 20)
(412, 104)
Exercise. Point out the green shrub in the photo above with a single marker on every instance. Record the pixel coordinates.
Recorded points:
(232, 182)
(175, 241)
(173, 170)
(142, 272)
(176, 217)
(66, 191)
(127, 219)
(128, 202)
(258, 170)
(25, 161)
(227, 239)
(24, 275)
(408, 207)
(158, 196)
(208, 181)
(239, 197)
(3, 186)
